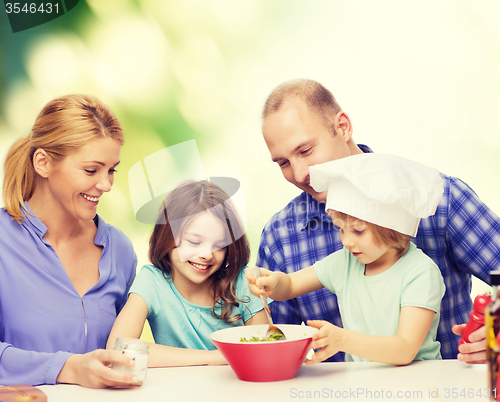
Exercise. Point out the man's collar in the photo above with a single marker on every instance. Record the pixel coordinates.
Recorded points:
(316, 209)
(365, 148)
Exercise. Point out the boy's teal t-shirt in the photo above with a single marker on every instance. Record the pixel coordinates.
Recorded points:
(371, 304)
(174, 321)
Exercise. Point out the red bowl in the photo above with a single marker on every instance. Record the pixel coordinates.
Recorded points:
(264, 361)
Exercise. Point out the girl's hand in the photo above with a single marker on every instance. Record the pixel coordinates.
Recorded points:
(475, 351)
(268, 280)
(328, 339)
(92, 370)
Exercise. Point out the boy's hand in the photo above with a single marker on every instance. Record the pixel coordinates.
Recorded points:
(267, 280)
(328, 338)
(475, 351)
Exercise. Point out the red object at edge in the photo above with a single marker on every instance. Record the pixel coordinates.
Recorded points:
(476, 320)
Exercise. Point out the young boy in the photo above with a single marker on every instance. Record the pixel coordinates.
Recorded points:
(388, 291)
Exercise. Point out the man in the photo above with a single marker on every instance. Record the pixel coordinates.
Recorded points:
(303, 125)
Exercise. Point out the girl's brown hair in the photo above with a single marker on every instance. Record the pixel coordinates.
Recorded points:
(180, 207)
(381, 235)
(64, 125)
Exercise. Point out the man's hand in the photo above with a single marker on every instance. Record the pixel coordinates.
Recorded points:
(475, 351)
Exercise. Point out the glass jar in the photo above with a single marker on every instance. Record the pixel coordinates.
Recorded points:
(137, 350)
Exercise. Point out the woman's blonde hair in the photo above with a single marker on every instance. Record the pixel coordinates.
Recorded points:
(381, 235)
(64, 125)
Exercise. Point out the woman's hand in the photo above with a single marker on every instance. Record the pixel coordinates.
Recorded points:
(92, 370)
(475, 351)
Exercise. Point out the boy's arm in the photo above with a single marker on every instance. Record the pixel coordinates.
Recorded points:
(280, 286)
(401, 349)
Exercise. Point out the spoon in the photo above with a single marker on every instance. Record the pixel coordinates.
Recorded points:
(272, 330)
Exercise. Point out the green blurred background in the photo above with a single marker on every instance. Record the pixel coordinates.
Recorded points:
(418, 79)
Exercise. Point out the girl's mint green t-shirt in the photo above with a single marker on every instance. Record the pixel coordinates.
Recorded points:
(371, 304)
(174, 321)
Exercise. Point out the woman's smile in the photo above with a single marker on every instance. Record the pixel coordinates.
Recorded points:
(93, 199)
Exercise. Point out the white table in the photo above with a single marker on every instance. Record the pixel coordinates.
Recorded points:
(447, 380)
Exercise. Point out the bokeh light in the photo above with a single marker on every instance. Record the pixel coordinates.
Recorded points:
(417, 79)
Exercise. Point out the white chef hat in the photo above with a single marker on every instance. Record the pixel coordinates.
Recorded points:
(386, 190)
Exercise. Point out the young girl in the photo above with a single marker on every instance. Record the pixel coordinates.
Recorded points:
(389, 292)
(196, 283)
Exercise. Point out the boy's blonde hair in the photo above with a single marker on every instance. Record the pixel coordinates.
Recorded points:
(381, 235)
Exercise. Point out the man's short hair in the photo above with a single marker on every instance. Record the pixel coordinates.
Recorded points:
(319, 99)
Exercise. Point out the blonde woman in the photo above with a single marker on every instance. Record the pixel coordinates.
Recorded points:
(64, 272)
